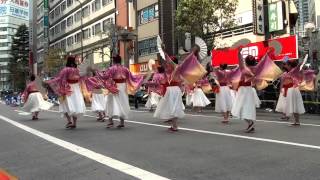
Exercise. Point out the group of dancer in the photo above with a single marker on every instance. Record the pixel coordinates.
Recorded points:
(109, 89)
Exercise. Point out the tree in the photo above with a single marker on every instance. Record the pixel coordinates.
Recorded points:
(19, 63)
(202, 18)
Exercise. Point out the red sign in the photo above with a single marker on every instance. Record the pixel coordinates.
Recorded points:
(281, 47)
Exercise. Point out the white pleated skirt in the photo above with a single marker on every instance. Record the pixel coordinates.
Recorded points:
(199, 98)
(98, 103)
(245, 103)
(74, 104)
(294, 102)
(36, 103)
(118, 104)
(153, 100)
(281, 104)
(233, 95)
(171, 105)
(189, 99)
(224, 100)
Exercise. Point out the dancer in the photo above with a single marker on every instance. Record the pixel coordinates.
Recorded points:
(247, 75)
(99, 100)
(200, 100)
(155, 89)
(68, 85)
(126, 83)
(33, 99)
(171, 106)
(292, 81)
(188, 91)
(224, 100)
(281, 103)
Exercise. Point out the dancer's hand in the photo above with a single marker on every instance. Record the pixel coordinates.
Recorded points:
(114, 90)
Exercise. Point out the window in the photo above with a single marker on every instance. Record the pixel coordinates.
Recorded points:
(57, 29)
(106, 2)
(3, 29)
(63, 44)
(106, 24)
(63, 25)
(63, 6)
(148, 46)
(96, 29)
(52, 32)
(77, 37)
(96, 5)
(5, 44)
(70, 21)
(69, 3)
(86, 11)
(70, 41)
(148, 14)
(77, 16)
(52, 15)
(86, 33)
(3, 36)
(57, 11)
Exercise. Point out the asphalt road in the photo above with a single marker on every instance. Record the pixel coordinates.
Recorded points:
(202, 149)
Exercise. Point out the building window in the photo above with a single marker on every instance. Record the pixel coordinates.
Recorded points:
(52, 32)
(106, 23)
(77, 16)
(148, 14)
(69, 3)
(106, 2)
(63, 6)
(96, 5)
(57, 29)
(86, 11)
(63, 44)
(63, 25)
(3, 29)
(96, 29)
(70, 21)
(77, 37)
(86, 33)
(3, 36)
(70, 41)
(148, 46)
(52, 15)
(57, 11)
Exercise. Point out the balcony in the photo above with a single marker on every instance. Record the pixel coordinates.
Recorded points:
(87, 42)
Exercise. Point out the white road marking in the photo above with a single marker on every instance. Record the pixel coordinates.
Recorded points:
(258, 120)
(115, 164)
(23, 113)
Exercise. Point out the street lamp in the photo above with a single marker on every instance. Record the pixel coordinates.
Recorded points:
(81, 26)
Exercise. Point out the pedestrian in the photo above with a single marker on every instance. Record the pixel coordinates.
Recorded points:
(125, 83)
(137, 98)
(224, 100)
(67, 85)
(33, 99)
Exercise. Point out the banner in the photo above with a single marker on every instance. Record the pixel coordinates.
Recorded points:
(18, 9)
(287, 46)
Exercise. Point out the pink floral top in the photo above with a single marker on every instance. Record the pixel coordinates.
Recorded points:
(31, 87)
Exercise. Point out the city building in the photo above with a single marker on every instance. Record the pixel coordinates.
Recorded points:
(303, 11)
(12, 15)
(314, 12)
(154, 17)
(81, 28)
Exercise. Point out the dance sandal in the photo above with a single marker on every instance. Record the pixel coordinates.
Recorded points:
(250, 130)
(110, 125)
(172, 129)
(120, 126)
(168, 121)
(225, 122)
(68, 124)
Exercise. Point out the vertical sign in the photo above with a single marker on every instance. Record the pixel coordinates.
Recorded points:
(46, 25)
(258, 17)
(275, 16)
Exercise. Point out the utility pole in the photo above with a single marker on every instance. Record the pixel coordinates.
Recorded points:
(81, 26)
(267, 34)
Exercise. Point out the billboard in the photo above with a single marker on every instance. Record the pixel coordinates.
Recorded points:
(287, 46)
(15, 8)
(258, 17)
(275, 11)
